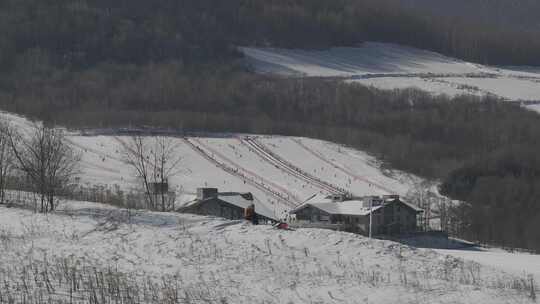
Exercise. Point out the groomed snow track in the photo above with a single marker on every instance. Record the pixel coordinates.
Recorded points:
(263, 152)
(280, 193)
(340, 168)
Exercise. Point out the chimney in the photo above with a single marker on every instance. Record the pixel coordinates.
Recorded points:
(206, 193)
(371, 201)
(247, 196)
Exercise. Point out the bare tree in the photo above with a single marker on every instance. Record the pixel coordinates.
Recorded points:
(6, 160)
(154, 161)
(135, 155)
(46, 160)
(165, 165)
(421, 197)
(443, 207)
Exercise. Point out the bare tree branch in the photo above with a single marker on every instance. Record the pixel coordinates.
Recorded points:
(154, 162)
(6, 160)
(46, 160)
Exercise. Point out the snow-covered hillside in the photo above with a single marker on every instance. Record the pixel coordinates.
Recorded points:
(369, 59)
(89, 252)
(390, 66)
(281, 172)
(232, 164)
(512, 262)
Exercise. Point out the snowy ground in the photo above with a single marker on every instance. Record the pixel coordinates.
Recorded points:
(305, 266)
(534, 107)
(172, 257)
(102, 164)
(312, 167)
(512, 262)
(389, 66)
(369, 59)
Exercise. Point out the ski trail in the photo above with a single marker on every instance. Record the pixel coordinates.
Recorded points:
(263, 152)
(248, 172)
(254, 180)
(92, 150)
(340, 168)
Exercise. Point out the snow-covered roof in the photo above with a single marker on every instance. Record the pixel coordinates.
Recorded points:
(354, 207)
(350, 207)
(239, 200)
(235, 199)
(415, 208)
(317, 198)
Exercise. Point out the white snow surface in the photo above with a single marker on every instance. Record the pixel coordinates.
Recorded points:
(340, 168)
(348, 207)
(534, 107)
(369, 58)
(391, 66)
(512, 262)
(235, 262)
(431, 85)
(102, 164)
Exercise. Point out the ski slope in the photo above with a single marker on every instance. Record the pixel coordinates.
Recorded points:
(229, 164)
(303, 266)
(369, 59)
(179, 258)
(281, 172)
(390, 66)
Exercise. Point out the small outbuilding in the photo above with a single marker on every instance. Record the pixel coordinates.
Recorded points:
(229, 205)
(389, 215)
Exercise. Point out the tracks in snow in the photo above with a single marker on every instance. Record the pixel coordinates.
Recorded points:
(267, 155)
(248, 176)
(93, 150)
(340, 168)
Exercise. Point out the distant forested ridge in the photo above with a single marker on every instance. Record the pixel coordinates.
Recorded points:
(174, 63)
(82, 33)
(513, 14)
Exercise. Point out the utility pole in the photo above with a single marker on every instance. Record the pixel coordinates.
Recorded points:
(370, 215)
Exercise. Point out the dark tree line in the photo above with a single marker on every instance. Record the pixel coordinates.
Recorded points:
(80, 34)
(515, 14)
(503, 191)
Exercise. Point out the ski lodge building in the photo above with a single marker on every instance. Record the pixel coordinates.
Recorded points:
(389, 215)
(229, 205)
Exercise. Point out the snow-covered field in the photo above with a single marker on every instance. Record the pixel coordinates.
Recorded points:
(92, 253)
(209, 260)
(512, 262)
(390, 66)
(281, 172)
(102, 164)
(369, 59)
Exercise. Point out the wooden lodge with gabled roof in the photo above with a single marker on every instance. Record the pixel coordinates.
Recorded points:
(389, 215)
(229, 205)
